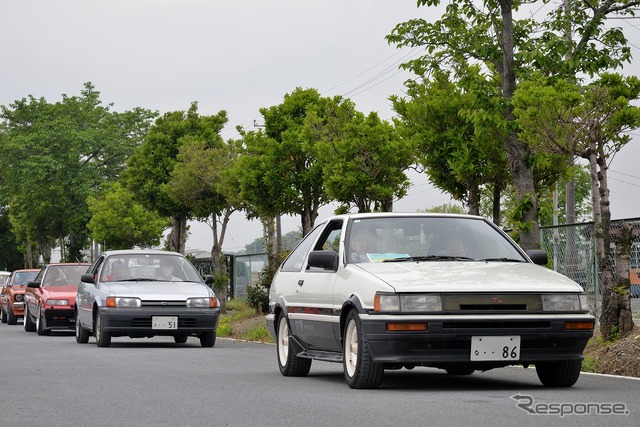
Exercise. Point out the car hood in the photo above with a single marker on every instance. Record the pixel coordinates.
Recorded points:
(171, 291)
(60, 292)
(470, 276)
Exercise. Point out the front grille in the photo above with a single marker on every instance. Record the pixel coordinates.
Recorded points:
(161, 303)
(496, 325)
(493, 307)
(142, 322)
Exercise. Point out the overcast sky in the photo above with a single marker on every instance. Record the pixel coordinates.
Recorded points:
(233, 55)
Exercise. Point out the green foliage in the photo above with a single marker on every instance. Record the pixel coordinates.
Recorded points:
(10, 256)
(447, 208)
(258, 297)
(118, 222)
(258, 333)
(589, 364)
(57, 155)
(363, 164)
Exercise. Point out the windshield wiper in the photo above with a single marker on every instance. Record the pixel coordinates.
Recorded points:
(138, 279)
(502, 259)
(431, 258)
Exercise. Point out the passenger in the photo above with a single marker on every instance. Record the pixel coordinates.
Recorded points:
(362, 243)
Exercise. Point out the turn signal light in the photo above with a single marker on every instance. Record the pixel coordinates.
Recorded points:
(578, 325)
(395, 327)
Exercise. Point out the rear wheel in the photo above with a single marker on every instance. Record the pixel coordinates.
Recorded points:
(562, 373)
(180, 339)
(207, 339)
(41, 327)
(360, 371)
(290, 365)
(29, 326)
(82, 335)
(103, 338)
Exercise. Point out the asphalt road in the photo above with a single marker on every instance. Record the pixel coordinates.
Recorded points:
(53, 381)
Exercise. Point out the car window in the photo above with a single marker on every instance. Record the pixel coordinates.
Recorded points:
(295, 260)
(330, 240)
(388, 238)
(63, 275)
(22, 277)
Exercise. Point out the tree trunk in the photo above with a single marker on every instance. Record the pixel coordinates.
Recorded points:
(272, 250)
(474, 200)
(623, 238)
(177, 239)
(497, 191)
(526, 219)
(220, 273)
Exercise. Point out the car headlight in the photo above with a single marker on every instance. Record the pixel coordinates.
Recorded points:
(123, 302)
(407, 303)
(57, 302)
(18, 297)
(565, 302)
(205, 302)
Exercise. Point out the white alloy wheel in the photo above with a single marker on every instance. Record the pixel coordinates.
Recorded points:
(351, 348)
(283, 342)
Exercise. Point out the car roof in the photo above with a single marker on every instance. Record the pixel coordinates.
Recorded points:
(401, 214)
(140, 251)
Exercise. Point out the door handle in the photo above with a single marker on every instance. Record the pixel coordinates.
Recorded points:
(300, 282)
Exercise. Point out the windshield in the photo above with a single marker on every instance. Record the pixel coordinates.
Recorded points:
(389, 238)
(148, 267)
(22, 277)
(63, 275)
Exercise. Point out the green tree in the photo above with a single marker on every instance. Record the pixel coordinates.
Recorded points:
(149, 168)
(364, 165)
(562, 44)
(591, 122)
(57, 155)
(455, 131)
(118, 222)
(10, 256)
(203, 180)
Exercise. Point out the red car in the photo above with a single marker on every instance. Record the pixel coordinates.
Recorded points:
(50, 297)
(12, 295)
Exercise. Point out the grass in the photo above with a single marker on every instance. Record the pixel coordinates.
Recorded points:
(241, 322)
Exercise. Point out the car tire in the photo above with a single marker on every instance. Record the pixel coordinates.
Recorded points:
(29, 326)
(82, 335)
(208, 339)
(562, 373)
(4, 315)
(360, 371)
(290, 365)
(180, 339)
(103, 338)
(41, 329)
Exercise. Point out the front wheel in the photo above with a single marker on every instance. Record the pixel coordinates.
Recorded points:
(290, 365)
(4, 313)
(360, 371)
(82, 335)
(207, 339)
(562, 373)
(41, 328)
(29, 326)
(103, 338)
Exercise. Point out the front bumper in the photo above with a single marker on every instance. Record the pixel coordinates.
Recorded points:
(60, 318)
(137, 322)
(448, 338)
(18, 308)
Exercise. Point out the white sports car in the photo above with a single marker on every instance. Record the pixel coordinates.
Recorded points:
(389, 290)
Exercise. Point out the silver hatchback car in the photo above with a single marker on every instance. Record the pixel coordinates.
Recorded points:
(143, 293)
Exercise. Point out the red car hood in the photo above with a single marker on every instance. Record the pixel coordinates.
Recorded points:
(60, 292)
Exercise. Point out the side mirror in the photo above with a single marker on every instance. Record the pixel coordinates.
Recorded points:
(33, 284)
(208, 279)
(327, 260)
(87, 278)
(538, 256)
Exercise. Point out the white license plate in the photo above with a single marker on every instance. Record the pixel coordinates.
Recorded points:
(164, 322)
(495, 348)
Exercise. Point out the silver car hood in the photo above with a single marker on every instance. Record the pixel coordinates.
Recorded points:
(471, 276)
(169, 291)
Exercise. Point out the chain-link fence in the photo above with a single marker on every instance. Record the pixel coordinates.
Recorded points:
(572, 252)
